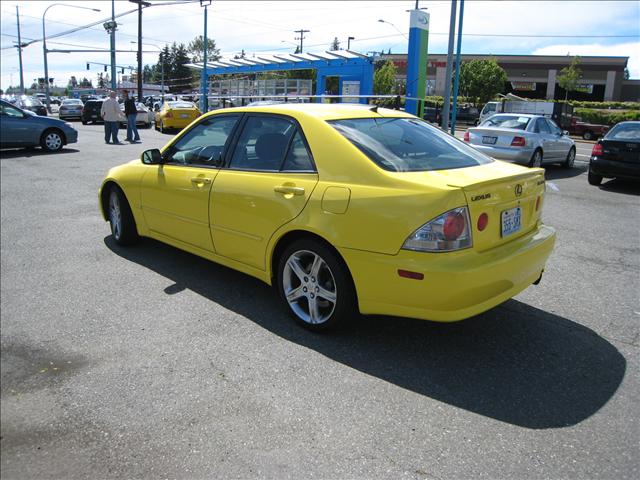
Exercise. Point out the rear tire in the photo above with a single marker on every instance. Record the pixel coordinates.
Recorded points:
(123, 225)
(571, 158)
(594, 179)
(52, 140)
(588, 135)
(536, 159)
(315, 286)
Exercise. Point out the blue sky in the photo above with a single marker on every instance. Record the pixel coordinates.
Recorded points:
(530, 27)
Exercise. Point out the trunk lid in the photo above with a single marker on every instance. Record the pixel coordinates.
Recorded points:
(485, 136)
(621, 151)
(498, 189)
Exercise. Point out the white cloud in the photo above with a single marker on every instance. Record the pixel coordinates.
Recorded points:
(631, 50)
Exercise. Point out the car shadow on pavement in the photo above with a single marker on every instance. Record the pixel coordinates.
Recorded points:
(556, 172)
(621, 185)
(516, 363)
(35, 152)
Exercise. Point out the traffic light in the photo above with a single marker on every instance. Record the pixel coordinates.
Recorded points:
(138, 57)
(122, 71)
(87, 65)
(105, 68)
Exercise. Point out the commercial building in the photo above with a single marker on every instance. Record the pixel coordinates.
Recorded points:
(536, 76)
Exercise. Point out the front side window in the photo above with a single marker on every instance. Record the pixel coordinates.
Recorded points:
(204, 144)
(507, 121)
(541, 126)
(552, 126)
(408, 145)
(263, 143)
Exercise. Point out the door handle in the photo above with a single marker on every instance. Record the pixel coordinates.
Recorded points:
(204, 180)
(289, 190)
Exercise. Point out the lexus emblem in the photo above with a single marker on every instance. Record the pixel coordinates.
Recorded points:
(518, 189)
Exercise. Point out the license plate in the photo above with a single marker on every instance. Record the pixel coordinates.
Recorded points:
(511, 221)
(489, 140)
(184, 115)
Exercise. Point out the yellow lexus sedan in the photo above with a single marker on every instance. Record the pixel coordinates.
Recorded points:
(175, 115)
(342, 208)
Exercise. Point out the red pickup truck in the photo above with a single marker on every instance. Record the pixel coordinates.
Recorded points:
(588, 131)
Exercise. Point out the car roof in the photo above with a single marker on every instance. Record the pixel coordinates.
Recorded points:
(325, 111)
(515, 114)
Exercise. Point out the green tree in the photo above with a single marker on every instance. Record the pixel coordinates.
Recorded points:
(196, 49)
(178, 76)
(569, 77)
(384, 78)
(482, 79)
(335, 45)
(627, 76)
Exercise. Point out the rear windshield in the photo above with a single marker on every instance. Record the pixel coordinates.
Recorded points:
(629, 132)
(32, 102)
(507, 121)
(408, 145)
(71, 102)
(181, 105)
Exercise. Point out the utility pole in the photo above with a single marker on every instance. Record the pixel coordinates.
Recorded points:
(447, 80)
(140, 4)
(114, 25)
(301, 37)
(20, 52)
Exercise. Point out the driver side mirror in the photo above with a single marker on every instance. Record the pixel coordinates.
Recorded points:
(151, 157)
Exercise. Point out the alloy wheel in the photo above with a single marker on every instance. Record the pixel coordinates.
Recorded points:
(115, 215)
(309, 287)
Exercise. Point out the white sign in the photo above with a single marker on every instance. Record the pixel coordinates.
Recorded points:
(350, 87)
(419, 19)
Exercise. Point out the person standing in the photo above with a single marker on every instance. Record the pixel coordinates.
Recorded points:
(111, 114)
(131, 111)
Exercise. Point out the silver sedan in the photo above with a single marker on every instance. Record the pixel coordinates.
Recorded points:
(528, 139)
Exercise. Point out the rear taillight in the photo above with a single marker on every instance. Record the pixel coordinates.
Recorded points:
(518, 142)
(450, 231)
(466, 136)
(597, 150)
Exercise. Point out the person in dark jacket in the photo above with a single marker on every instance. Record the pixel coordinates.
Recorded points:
(131, 111)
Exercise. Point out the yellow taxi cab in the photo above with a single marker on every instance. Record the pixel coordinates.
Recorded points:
(176, 115)
(342, 208)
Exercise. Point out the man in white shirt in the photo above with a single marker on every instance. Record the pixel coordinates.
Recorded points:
(111, 114)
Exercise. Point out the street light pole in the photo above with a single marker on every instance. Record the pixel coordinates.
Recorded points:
(397, 29)
(112, 41)
(204, 99)
(44, 48)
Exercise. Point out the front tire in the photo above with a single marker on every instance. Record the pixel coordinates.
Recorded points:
(594, 179)
(315, 285)
(123, 225)
(52, 140)
(536, 159)
(571, 158)
(588, 135)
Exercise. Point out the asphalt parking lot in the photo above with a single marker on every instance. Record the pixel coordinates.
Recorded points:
(147, 362)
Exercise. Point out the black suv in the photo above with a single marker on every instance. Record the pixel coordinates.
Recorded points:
(91, 112)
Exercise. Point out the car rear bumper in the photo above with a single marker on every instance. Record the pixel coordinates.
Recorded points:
(456, 285)
(517, 155)
(610, 168)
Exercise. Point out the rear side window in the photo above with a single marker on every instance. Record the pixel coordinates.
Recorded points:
(628, 132)
(541, 126)
(408, 145)
(507, 121)
(263, 143)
